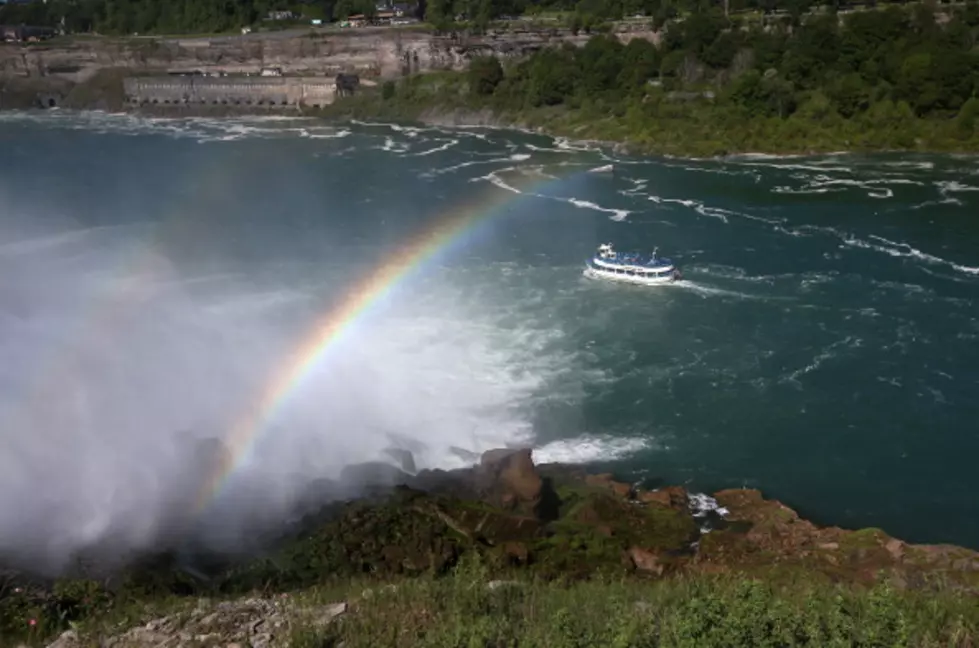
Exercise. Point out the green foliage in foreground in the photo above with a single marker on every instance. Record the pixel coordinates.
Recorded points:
(701, 613)
(463, 609)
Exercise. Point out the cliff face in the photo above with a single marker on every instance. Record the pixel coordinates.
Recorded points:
(371, 52)
(531, 523)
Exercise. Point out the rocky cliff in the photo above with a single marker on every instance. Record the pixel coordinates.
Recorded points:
(519, 520)
(57, 68)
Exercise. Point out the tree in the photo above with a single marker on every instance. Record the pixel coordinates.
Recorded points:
(965, 122)
(485, 73)
(553, 74)
(640, 62)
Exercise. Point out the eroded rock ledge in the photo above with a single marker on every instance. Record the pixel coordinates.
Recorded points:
(549, 521)
(559, 521)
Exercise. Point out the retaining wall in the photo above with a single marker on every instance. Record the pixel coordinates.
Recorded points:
(203, 90)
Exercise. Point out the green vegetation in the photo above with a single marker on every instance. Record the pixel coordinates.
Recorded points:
(422, 569)
(897, 78)
(462, 608)
(152, 16)
(220, 16)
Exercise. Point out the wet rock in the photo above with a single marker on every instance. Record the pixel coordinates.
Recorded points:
(606, 480)
(404, 458)
(674, 497)
(645, 561)
(372, 475)
(510, 478)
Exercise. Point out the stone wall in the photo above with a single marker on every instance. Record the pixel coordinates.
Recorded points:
(370, 53)
(314, 55)
(201, 90)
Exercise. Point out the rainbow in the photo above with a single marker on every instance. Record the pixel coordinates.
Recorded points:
(447, 231)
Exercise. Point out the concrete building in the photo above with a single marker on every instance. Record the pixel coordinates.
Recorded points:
(231, 91)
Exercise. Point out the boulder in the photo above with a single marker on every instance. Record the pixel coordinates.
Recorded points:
(645, 561)
(674, 497)
(509, 479)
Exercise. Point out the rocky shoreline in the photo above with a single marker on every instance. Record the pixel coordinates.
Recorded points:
(524, 508)
(553, 522)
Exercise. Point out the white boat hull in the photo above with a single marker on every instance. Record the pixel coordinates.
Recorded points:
(598, 273)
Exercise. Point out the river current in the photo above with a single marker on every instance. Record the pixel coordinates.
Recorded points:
(823, 345)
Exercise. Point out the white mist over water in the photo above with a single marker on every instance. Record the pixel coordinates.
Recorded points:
(114, 368)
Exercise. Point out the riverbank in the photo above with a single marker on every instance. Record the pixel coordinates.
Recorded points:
(509, 551)
(657, 124)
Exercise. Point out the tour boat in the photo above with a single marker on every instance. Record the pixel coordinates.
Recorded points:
(630, 267)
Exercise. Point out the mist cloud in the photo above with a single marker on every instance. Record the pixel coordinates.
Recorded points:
(119, 370)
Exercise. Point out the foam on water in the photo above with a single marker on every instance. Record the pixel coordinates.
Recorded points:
(905, 250)
(490, 349)
(495, 179)
(590, 449)
(111, 378)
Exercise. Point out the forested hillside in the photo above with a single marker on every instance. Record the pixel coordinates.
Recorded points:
(901, 77)
(201, 16)
(892, 61)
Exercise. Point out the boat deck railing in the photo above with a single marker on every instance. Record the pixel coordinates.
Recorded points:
(637, 260)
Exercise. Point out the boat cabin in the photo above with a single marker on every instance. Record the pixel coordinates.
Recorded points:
(608, 261)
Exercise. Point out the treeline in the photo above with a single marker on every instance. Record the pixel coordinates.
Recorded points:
(203, 16)
(151, 16)
(897, 59)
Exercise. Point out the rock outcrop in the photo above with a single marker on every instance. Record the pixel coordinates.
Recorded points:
(245, 623)
(551, 521)
(52, 71)
(510, 480)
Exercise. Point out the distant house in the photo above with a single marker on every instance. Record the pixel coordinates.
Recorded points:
(281, 15)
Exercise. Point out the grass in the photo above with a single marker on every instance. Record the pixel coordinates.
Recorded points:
(462, 608)
(410, 578)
